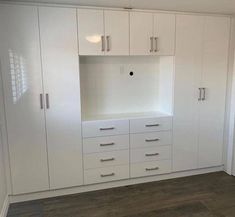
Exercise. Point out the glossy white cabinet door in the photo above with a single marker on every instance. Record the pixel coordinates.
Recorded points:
(189, 32)
(116, 32)
(90, 31)
(164, 34)
(141, 33)
(22, 79)
(215, 57)
(61, 81)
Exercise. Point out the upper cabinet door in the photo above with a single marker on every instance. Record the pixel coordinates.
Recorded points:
(141, 33)
(188, 68)
(214, 77)
(164, 34)
(116, 32)
(61, 81)
(22, 80)
(91, 32)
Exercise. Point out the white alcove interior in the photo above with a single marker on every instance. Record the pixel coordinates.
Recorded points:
(108, 91)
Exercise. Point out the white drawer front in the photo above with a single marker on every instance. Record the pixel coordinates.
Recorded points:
(150, 124)
(106, 174)
(151, 154)
(105, 128)
(153, 139)
(103, 144)
(150, 168)
(98, 160)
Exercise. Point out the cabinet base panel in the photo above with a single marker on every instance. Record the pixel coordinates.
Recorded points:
(100, 186)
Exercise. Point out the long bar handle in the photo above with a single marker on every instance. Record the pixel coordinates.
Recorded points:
(102, 43)
(152, 154)
(152, 125)
(47, 101)
(107, 144)
(151, 169)
(151, 44)
(107, 175)
(107, 159)
(107, 128)
(151, 140)
(204, 94)
(41, 101)
(108, 43)
(200, 94)
(156, 44)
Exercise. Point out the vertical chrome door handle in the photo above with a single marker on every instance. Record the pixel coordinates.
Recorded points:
(151, 44)
(102, 43)
(108, 43)
(156, 44)
(204, 94)
(200, 94)
(41, 101)
(47, 101)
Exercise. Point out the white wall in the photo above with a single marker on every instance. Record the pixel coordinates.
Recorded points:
(230, 107)
(3, 185)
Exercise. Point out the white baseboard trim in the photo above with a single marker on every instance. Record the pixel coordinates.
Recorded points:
(5, 207)
(94, 187)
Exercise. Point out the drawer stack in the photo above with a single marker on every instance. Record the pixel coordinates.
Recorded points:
(150, 146)
(105, 151)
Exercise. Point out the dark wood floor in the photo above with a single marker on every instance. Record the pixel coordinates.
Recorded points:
(210, 195)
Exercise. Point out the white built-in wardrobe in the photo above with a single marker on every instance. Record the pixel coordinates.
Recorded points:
(102, 95)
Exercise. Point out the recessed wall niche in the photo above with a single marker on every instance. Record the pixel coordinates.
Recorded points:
(113, 86)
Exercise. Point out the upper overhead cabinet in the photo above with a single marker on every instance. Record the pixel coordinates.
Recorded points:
(103, 32)
(152, 34)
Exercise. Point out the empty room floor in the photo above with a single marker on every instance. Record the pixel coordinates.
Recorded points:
(209, 195)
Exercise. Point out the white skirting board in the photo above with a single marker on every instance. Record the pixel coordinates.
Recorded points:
(80, 189)
(5, 207)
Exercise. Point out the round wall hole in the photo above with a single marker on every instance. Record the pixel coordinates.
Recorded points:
(131, 73)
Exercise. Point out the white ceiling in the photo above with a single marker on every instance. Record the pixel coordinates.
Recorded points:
(211, 6)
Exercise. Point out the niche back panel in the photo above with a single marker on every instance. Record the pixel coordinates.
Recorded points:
(118, 85)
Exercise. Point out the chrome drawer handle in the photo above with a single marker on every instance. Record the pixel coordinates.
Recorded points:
(153, 154)
(151, 169)
(108, 128)
(152, 125)
(108, 159)
(107, 144)
(151, 140)
(107, 175)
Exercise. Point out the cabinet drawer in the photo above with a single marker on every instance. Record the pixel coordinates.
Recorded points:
(150, 154)
(103, 144)
(106, 174)
(150, 124)
(105, 128)
(150, 168)
(114, 158)
(144, 140)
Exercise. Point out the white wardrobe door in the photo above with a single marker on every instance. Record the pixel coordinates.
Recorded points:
(90, 31)
(141, 31)
(189, 31)
(164, 31)
(22, 78)
(117, 32)
(215, 56)
(61, 79)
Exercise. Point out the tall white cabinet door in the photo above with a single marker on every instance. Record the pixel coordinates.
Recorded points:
(164, 34)
(117, 32)
(215, 56)
(188, 65)
(61, 80)
(22, 79)
(91, 32)
(141, 33)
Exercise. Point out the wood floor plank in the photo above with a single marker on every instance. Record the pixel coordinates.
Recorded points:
(209, 195)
